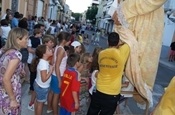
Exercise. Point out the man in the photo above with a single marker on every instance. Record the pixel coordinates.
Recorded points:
(8, 11)
(111, 65)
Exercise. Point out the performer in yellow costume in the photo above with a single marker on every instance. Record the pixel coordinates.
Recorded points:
(166, 105)
(141, 27)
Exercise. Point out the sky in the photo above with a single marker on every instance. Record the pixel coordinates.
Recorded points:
(78, 6)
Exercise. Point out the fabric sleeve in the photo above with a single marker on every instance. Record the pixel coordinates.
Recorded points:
(42, 65)
(124, 49)
(15, 55)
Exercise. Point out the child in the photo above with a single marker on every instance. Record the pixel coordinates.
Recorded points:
(49, 41)
(86, 60)
(59, 61)
(42, 81)
(97, 39)
(34, 42)
(92, 38)
(70, 87)
(75, 47)
(94, 69)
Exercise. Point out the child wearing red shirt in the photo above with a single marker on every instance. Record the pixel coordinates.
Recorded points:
(70, 86)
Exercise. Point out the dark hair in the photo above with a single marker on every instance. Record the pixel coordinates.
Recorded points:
(17, 15)
(4, 22)
(113, 39)
(63, 36)
(40, 51)
(7, 10)
(66, 48)
(94, 64)
(21, 15)
(38, 26)
(23, 24)
(73, 59)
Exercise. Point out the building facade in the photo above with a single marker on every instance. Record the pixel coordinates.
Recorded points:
(169, 29)
(37, 8)
(104, 22)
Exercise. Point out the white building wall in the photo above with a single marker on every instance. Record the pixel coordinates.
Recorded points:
(52, 10)
(168, 31)
(169, 27)
(40, 8)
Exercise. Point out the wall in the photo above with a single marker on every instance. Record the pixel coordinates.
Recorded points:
(5, 4)
(169, 30)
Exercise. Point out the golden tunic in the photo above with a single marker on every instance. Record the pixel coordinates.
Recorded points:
(143, 20)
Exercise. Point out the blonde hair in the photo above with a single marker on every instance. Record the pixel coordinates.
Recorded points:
(47, 38)
(85, 57)
(14, 34)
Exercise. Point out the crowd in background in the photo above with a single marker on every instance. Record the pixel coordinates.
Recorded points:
(51, 55)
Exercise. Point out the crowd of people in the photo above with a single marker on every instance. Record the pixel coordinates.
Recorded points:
(62, 74)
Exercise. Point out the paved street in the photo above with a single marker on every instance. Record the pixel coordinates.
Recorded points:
(165, 72)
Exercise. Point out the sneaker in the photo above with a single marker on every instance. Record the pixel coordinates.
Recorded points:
(31, 107)
(49, 111)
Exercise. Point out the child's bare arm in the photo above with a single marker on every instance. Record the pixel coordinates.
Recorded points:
(75, 97)
(125, 84)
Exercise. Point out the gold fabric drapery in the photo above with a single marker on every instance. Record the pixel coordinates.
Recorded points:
(141, 27)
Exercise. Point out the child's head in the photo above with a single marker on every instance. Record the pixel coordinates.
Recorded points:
(86, 58)
(64, 38)
(73, 60)
(4, 22)
(77, 46)
(49, 41)
(17, 38)
(43, 51)
(94, 64)
(37, 33)
(113, 39)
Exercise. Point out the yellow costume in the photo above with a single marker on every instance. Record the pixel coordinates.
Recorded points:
(167, 104)
(142, 28)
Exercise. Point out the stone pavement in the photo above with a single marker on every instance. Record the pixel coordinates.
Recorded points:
(131, 108)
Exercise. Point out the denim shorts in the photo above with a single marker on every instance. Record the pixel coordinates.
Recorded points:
(54, 84)
(41, 93)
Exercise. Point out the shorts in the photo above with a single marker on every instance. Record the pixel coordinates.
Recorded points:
(63, 111)
(54, 84)
(41, 93)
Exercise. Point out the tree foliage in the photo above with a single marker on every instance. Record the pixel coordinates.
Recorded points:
(76, 16)
(91, 13)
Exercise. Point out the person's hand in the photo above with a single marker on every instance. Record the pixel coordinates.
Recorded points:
(14, 104)
(77, 106)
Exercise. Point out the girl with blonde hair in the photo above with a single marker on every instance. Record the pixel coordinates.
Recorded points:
(11, 67)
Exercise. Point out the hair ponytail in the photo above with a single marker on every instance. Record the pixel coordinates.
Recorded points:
(34, 64)
(40, 51)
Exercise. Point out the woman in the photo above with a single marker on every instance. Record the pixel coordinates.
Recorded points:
(10, 86)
